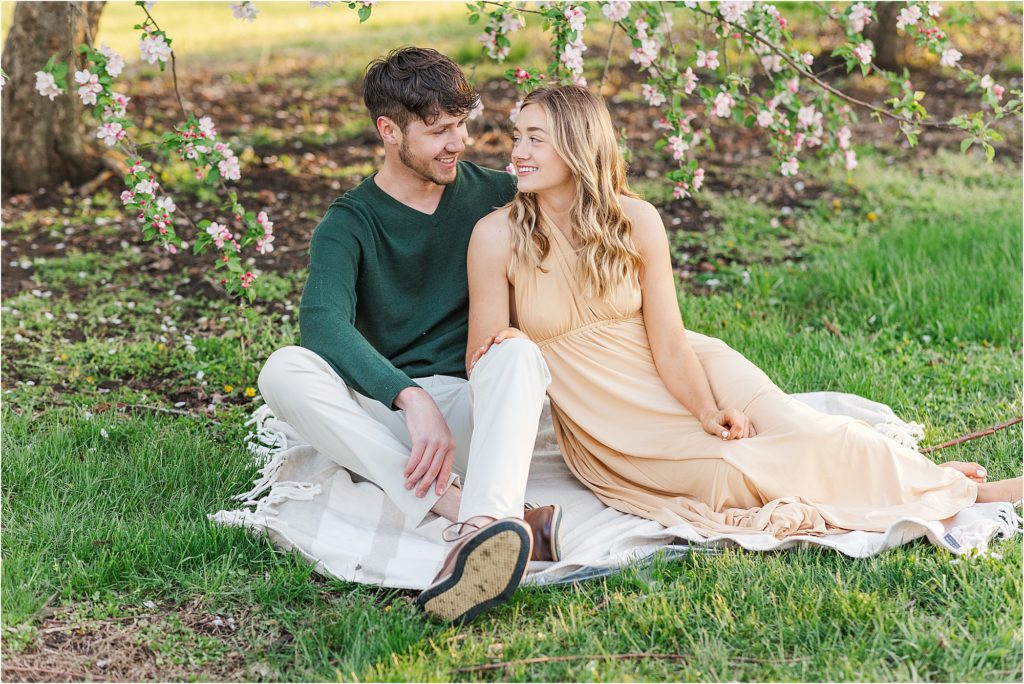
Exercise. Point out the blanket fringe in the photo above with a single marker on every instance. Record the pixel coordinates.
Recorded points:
(269, 448)
(907, 434)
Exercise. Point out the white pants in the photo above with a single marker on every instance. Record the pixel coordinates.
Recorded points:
(493, 419)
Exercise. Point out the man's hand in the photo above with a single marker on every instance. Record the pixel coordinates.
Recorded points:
(506, 334)
(727, 424)
(433, 449)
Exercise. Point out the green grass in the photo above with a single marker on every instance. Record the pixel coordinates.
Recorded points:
(928, 302)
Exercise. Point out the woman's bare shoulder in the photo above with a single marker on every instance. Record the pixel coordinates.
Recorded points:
(492, 234)
(647, 221)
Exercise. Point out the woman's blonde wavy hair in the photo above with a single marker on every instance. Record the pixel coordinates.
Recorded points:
(583, 136)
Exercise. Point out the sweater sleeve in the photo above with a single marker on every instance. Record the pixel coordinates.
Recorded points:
(327, 313)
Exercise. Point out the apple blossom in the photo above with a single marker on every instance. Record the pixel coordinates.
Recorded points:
(245, 10)
(998, 91)
(89, 86)
(772, 63)
(646, 53)
(863, 52)
(698, 179)
(678, 147)
(616, 10)
(46, 85)
(843, 137)
(146, 187)
(111, 133)
(723, 104)
(790, 167)
(654, 97)
(950, 56)
(229, 168)
(707, 60)
(859, 17)
(577, 17)
(115, 62)
(689, 81)
(167, 204)
(154, 49)
(850, 158)
(934, 9)
(733, 11)
(986, 82)
(909, 16)
(765, 118)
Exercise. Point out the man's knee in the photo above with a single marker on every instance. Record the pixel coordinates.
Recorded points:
(281, 368)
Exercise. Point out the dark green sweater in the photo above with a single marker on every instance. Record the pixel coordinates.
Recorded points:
(387, 297)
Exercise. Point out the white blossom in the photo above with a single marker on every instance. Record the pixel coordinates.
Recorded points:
(47, 85)
(245, 10)
(616, 10)
(789, 167)
(115, 62)
(950, 56)
(154, 49)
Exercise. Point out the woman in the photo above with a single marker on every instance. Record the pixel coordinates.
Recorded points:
(657, 421)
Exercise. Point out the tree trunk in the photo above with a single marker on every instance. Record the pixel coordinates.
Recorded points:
(44, 142)
(889, 46)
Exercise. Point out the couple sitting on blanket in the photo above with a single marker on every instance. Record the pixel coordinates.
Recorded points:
(562, 284)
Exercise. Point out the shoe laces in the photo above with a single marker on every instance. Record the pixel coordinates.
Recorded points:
(460, 531)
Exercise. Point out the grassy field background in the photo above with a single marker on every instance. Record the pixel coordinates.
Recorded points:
(906, 288)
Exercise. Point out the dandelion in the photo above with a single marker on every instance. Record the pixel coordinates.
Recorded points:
(872, 216)
(228, 389)
(250, 392)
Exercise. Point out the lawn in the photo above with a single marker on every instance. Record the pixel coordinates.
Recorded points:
(127, 382)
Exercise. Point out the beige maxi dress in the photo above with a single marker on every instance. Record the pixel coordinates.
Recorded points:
(642, 452)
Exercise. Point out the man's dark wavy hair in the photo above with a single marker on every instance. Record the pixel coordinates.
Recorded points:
(416, 82)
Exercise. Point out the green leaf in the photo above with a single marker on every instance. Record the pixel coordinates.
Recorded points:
(965, 144)
(474, 18)
(990, 152)
(364, 13)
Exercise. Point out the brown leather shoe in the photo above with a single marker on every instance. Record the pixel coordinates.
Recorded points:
(546, 524)
(483, 570)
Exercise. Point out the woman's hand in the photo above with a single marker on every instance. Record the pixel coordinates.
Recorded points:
(506, 334)
(728, 424)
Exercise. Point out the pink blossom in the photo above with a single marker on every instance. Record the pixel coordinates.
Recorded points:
(115, 62)
(998, 91)
(950, 56)
(698, 179)
(616, 10)
(146, 187)
(863, 52)
(245, 10)
(572, 57)
(207, 128)
(689, 81)
(934, 9)
(654, 97)
(850, 159)
(641, 27)
(807, 58)
(167, 204)
(771, 63)
(514, 114)
(843, 137)
(793, 84)
(118, 107)
(662, 123)
(47, 85)
(732, 11)
(807, 116)
(909, 16)
(790, 167)
(646, 53)
(247, 278)
(137, 167)
(707, 60)
(171, 248)
(154, 49)
(859, 17)
(89, 86)
(127, 196)
(229, 168)
(263, 244)
(678, 147)
(765, 118)
(110, 133)
(723, 104)
(265, 223)
(511, 22)
(510, 169)
(798, 141)
(679, 191)
(223, 148)
(577, 18)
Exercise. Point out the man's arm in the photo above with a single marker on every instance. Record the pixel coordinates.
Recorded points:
(327, 315)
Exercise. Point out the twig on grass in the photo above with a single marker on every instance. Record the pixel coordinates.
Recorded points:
(833, 328)
(974, 435)
(614, 656)
(43, 670)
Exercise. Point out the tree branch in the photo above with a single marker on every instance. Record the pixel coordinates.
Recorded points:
(974, 435)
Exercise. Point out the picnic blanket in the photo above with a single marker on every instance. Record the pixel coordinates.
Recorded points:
(351, 531)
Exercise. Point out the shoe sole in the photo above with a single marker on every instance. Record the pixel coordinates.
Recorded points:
(487, 571)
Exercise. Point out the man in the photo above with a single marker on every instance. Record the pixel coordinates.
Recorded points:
(379, 383)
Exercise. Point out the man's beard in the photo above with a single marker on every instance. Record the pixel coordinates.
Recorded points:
(422, 169)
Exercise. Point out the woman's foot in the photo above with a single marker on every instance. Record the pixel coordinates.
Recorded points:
(1003, 490)
(973, 471)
